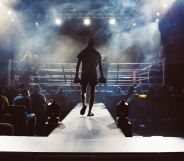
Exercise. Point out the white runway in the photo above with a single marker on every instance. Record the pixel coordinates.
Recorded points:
(90, 134)
(86, 134)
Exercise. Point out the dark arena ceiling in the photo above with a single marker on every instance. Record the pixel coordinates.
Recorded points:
(134, 29)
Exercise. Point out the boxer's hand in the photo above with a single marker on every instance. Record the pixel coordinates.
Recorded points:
(101, 79)
(77, 79)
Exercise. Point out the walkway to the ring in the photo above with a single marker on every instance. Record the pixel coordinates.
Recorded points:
(86, 134)
(89, 134)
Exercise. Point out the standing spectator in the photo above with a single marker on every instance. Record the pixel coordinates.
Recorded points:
(26, 68)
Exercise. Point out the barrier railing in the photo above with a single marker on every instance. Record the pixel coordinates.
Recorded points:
(62, 74)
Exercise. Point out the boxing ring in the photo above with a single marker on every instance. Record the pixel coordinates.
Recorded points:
(57, 75)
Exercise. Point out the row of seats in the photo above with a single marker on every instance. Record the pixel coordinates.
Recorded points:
(17, 122)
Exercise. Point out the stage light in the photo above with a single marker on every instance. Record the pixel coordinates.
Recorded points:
(158, 13)
(36, 24)
(49, 103)
(134, 24)
(143, 96)
(58, 21)
(9, 12)
(157, 20)
(112, 21)
(1, 4)
(87, 21)
(12, 20)
(122, 108)
(126, 103)
(165, 5)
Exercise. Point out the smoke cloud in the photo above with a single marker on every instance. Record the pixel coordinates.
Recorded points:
(134, 38)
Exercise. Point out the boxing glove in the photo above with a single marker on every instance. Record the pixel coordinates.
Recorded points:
(101, 80)
(77, 80)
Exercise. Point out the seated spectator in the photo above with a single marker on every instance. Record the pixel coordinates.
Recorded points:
(4, 103)
(3, 99)
(24, 100)
(11, 93)
(38, 103)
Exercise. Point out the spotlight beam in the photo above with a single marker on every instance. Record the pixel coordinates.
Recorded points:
(87, 21)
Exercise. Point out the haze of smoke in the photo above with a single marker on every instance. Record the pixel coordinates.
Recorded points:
(124, 42)
(10, 29)
(141, 42)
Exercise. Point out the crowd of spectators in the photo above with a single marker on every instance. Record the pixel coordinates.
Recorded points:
(34, 101)
(157, 107)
